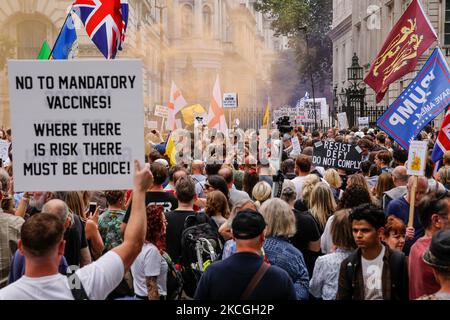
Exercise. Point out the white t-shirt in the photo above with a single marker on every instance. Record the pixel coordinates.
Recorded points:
(98, 278)
(372, 274)
(149, 263)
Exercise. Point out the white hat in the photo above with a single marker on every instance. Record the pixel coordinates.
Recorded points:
(359, 134)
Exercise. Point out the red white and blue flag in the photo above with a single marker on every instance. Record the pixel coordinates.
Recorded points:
(442, 143)
(105, 22)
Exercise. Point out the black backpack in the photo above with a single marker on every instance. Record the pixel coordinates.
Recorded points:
(201, 245)
(174, 279)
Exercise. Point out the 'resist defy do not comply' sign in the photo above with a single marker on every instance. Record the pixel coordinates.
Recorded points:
(330, 154)
(77, 125)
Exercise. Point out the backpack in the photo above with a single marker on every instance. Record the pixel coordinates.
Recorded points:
(201, 245)
(174, 279)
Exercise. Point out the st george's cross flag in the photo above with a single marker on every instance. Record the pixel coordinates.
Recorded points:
(216, 114)
(105, 22)
(176, 103)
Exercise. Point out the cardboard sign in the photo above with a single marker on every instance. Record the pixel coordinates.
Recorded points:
(4, 146)
(77, 124)
(330, 154)
(417, 158)
(230, 100)
(342, 120)
(161, 111)
(151, 124)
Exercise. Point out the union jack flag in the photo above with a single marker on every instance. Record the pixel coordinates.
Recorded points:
(105, 22)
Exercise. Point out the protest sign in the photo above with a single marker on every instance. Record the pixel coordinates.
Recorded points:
(342, 121)
(363, 122)
(296, 150)
(422, 101)
(151, 124)
(161, 111)
(417, 158)
(77, 124)
(330, 154)
(4, 146)
(230, 100)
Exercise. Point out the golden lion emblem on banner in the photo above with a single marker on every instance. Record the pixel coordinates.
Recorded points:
(401, 49)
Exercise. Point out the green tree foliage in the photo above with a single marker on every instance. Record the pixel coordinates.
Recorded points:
(300, 20)
(7, 50)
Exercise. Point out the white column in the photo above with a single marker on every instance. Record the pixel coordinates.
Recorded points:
(198, 19)
(216, 12)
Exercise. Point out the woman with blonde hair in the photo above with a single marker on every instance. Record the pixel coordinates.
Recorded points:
(309, 183)
(443, 177)
(217, 207)
(322, 204)
(359, 180)
(261, 192)
(281, 226)
(334, 180)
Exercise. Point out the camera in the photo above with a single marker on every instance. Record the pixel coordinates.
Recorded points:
(284, 125)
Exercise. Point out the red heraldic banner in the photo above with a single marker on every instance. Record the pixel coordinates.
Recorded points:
(407, 41)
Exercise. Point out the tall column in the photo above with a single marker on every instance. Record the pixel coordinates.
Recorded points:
(198, 19)
(216, 12)
(177, 19)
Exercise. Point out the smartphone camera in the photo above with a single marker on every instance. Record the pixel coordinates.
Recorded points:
(92, 207)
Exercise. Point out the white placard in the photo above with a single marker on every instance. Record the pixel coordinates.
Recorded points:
(230, 100)
(4, 147)
(296, 150)
(77, 123)
(324, 112)
(363, 122)
(417, 158)
(342, 120)
(161, 111)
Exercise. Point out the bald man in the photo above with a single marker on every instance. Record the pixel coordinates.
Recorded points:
(400, 209)
(235, 195)
(58, 208)
(400, 180)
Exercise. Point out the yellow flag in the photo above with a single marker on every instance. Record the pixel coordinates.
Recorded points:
(189, 113)
(266, 116)
(170, 151)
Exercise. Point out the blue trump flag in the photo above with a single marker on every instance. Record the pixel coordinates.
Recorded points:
(65, 42)
(421, 102)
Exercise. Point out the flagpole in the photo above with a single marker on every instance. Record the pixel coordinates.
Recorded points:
(60, 31)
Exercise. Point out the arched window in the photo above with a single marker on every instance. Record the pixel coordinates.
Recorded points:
(207, 21)
(30, 35)
(187, 18)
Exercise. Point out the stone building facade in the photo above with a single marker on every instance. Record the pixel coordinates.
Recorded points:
(362, 26)
(187, 41)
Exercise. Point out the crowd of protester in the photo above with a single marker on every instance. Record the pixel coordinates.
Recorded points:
(332, 234)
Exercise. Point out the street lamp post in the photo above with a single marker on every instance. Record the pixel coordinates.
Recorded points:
(353, 97)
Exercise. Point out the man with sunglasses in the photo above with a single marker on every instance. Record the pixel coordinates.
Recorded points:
(434, 214)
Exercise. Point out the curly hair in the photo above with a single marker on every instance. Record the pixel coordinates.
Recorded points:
(156, 231)
(354, 196)
(114, 196)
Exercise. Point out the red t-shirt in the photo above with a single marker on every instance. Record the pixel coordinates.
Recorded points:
(421, 277)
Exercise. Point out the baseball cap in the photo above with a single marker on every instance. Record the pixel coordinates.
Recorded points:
(438, 254)
(163, 162)
(248, 224)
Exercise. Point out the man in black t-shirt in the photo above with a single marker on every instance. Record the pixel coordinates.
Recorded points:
(186, 195)
(156, 194)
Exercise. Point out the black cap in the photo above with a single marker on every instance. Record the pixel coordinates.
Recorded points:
(248, 224)
(438, 254)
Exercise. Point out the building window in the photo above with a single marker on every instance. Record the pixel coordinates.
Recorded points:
(447, 23)
(30, 35)
(187, 18)
(207, 21)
